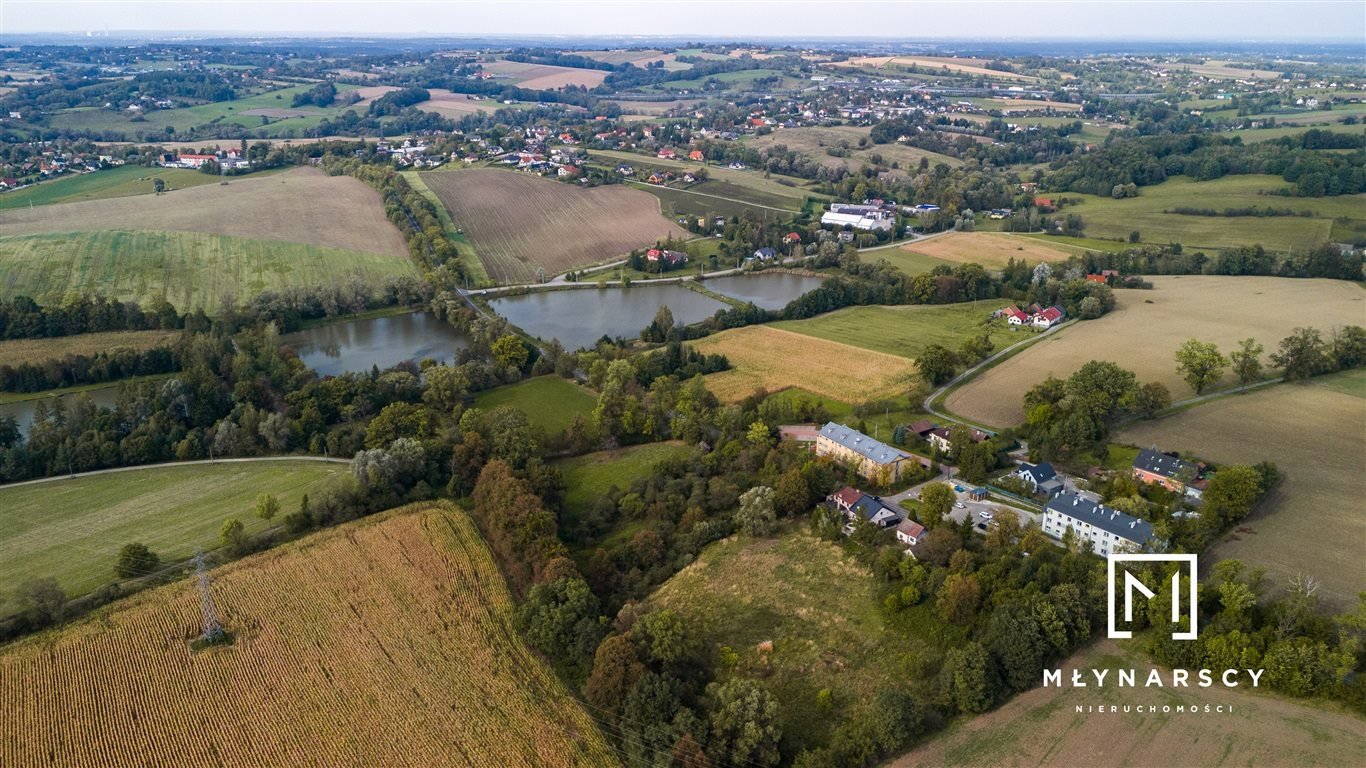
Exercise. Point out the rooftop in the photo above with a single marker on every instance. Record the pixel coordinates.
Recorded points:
(862, 444)
(1121, 524)
(1158, 463)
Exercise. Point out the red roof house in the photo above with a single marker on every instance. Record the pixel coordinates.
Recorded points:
(696, 154)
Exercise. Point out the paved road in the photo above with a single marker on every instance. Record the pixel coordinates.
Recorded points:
(965, 375)
(176, 464)
(969, 508)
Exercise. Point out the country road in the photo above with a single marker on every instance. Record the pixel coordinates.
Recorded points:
(969, 373)
(175, 464)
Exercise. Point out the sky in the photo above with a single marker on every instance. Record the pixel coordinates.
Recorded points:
(1149, 20)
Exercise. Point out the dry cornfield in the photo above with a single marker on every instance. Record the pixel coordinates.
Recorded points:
(763, 356)
(385, 642)
(517, 222)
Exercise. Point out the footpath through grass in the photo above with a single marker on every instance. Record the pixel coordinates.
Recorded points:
(71, 529)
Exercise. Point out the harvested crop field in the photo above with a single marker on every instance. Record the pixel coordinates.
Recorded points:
(545, 76)
(765, 357)
(385, 642)
(1042, 727)
(455, 105)
(303, 205)
(1315, 432)
(1146, 328)
(932, 64)
(989, 249)
(518, 222)
(37, 351)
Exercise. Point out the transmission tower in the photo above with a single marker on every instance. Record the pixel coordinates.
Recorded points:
(213, 629)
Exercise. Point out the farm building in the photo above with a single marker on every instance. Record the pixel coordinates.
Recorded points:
(862, 217)
(1174, 474)
(867, 456)
(1109, 530)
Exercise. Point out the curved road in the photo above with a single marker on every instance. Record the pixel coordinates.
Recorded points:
(111, 470)
(969, 373)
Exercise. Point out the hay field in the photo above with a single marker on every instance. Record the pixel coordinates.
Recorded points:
(71, 528)
(1110, 218)
(1143, 337)
(455, 105)
(1041, 727)
(19, 351)
(989, 249)
(1316, 434)
(190, 269)
(545, 76)
(385, 642)
(518, 222)
(302, 205)
(763, 356)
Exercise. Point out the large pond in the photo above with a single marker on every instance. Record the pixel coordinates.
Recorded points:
(358, 345)
(22, 411)
(767, 290)
(580, 317)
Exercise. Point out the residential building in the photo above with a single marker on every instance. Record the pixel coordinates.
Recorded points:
(1015, 316)
(1173, 473)
(671, 258)
(764, 254)
(1041, 478)
(939, 438)
(1048, 317)
(869, 457)
(1109, 530)
(856, 504)
(909, 532)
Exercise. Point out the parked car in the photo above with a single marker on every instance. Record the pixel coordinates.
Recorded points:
(983, 526)
(960, 505)
(987, 515)
(959, 488)
(848, 530)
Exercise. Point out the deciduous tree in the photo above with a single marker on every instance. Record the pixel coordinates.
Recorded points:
(1200, 364)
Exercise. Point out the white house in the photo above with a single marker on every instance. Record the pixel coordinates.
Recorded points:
(1108, 530)
(909, 532)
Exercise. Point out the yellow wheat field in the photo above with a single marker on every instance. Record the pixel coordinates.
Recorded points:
(765, 357)
(386, 642)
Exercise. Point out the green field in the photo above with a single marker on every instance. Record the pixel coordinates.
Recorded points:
(191, 269)
(1249, 135)
(822, 613)
(750, 182)
(1080, 245)
(122, 181)
(903, 330)
(72, 529)
(592, 475)
(548, 401)
(814, 141)
(1107, 217)
(226, 113)
(910, 262)
(676, 203)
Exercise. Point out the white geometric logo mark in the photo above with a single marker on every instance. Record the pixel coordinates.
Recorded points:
(1133, 584)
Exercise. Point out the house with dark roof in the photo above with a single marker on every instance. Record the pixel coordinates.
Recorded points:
(869, 457)
(939, 437)
(1109, 530)
(856, 504)
(764, 254)
(1171, 472)
(1042, 478)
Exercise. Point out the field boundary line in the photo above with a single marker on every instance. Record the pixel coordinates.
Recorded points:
(166, 464)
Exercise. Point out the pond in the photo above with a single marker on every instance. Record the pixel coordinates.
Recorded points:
(22, 411)
(358, 345)
(580, 317)
(766, 290)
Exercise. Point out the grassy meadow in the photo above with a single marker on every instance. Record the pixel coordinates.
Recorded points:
(904, 330)
(1107, 217)
(72, 528)
(123, 181)
(592, 475)
(190, 269)
(549, 402)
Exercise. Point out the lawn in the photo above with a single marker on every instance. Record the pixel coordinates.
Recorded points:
(1042, 727)
(122, 181)
(1144, 331)
(72, 528)
(1315, 432)
(907, 261)
(818, 608)
(764, 357)
(904, 330)
(1107, 217)
(38, 351)
(191, 269)
(548, 401)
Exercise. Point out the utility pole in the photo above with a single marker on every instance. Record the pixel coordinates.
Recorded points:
(213, 629)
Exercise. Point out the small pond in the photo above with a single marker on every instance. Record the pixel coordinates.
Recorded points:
(359, 345)
(580, 317)
(766, 290)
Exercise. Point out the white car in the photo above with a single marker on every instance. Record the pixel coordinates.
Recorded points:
(986, 515)
(960, 505)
